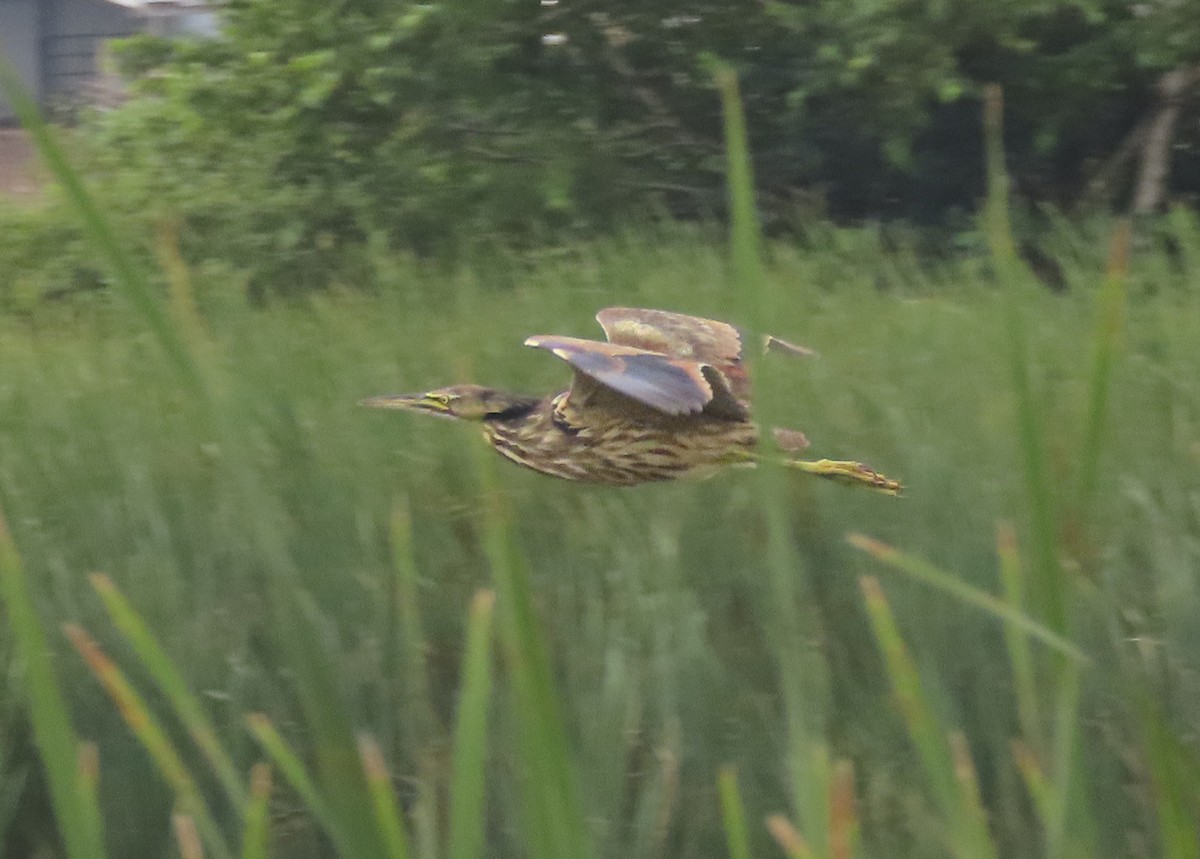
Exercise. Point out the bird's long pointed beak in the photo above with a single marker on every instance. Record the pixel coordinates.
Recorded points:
(406, 402)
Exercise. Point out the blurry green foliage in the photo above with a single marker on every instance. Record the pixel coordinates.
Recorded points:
(40, 256)
(310, 128)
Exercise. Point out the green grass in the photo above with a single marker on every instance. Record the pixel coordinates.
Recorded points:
(648, 598)
(289, 578)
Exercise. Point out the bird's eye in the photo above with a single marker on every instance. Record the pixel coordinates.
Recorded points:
(440, 398)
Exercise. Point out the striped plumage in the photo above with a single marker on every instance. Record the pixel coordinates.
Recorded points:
(618, 449)
(666, 397)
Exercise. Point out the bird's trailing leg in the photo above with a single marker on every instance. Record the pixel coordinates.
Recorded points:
(847, 472)
(841, 471)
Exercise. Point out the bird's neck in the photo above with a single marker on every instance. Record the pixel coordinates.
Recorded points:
(517, 409)
(504, 428)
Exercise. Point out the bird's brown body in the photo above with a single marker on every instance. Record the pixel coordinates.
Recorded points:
(666, 397)
(617, 448)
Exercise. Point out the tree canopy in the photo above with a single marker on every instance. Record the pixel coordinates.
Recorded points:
(519, 120)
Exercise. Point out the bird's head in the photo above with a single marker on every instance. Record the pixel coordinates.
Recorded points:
(465, 402)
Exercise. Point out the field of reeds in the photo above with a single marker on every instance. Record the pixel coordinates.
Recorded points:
(244, 617)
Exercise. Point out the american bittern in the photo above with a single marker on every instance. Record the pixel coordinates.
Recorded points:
(666, 397)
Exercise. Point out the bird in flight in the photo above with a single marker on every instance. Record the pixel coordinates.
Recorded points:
(666, 397)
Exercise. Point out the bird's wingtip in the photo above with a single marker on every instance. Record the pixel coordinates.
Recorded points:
(772, 343)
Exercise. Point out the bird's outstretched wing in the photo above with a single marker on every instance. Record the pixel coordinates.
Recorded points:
(678, 335)
(673, 334)
(669, 385)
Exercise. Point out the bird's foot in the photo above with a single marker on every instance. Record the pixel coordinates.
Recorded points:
(850, 473)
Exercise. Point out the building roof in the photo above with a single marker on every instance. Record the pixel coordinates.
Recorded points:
(153, 6)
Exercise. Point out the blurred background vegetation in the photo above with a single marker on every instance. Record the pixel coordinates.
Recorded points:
(311, 130)
(333, 200)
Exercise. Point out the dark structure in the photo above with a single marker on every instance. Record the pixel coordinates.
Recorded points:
(55, 45)
(666, 397)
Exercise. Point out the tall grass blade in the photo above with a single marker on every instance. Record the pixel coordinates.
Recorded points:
(186, 837)
(256, 830)
(171, 683)
(1019, 655)
(1067, 799)
(843, 816)
(745, 234)
(128, 278)
(1175, 778)
(75, 807)
(1034, 778)
(181, 297)
(310, 646)
(1013, 274)
(1048, 600)
(410, 723)
(297, 776)
(467, 811)
(951, 786)
(997, 223)
(927, 573)
(12, 778)
(554, 817)
(387, 811)
(153, 738)
(405, 634)
(427, 812)
(89, 773)
(293, 769)
(790, 841)
(800, 670)
(1109, 321)
(926, 733)
(968, 791)
(733, 814)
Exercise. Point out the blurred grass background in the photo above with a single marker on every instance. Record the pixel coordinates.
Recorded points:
(650, 599)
